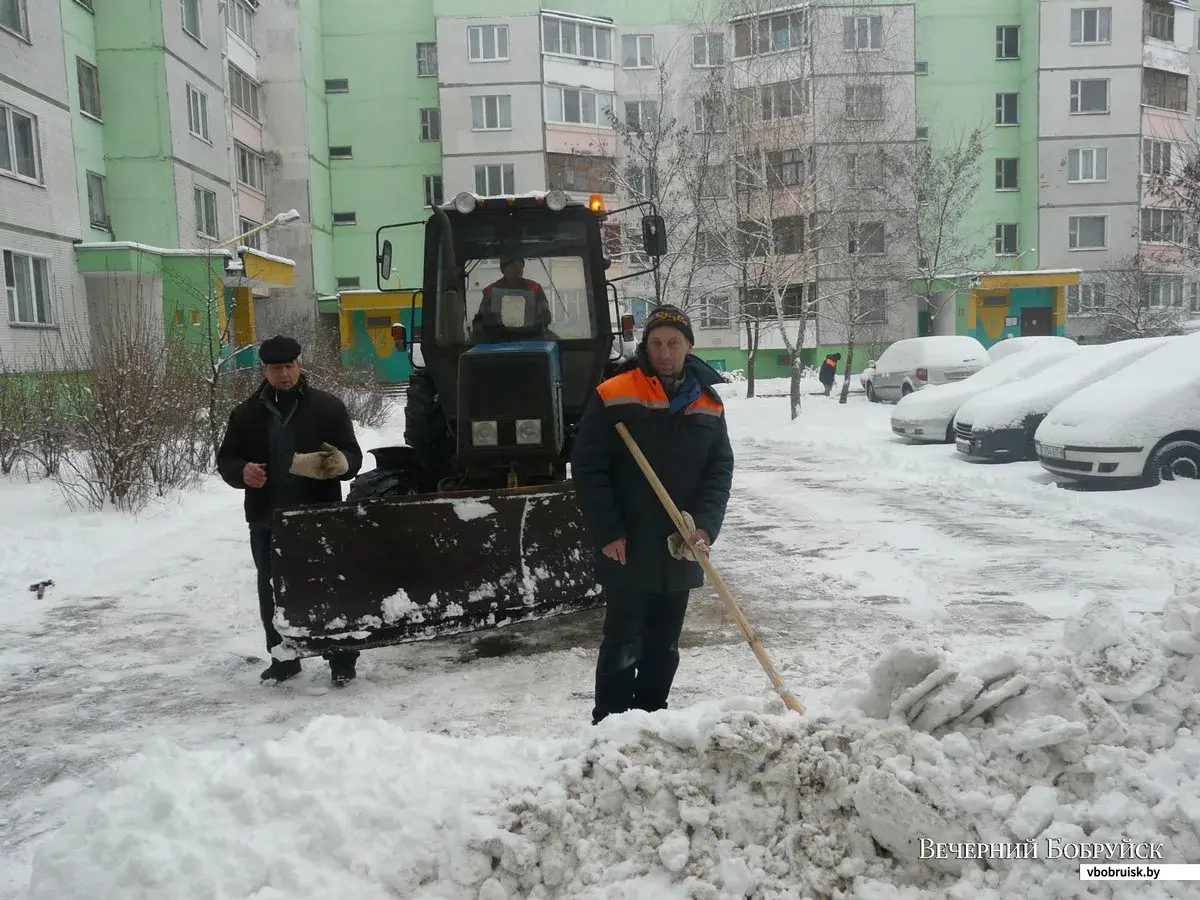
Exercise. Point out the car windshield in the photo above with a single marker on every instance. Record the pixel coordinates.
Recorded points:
(525, 279)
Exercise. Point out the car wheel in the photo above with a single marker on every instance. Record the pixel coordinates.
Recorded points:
(871, 395)
(1178, 459)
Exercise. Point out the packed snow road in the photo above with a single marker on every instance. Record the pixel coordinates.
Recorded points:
(839, 542)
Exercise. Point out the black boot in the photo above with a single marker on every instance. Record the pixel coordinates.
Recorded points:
(342, 667)
(281, 669)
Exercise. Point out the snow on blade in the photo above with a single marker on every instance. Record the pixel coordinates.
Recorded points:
(1090, 744)
(468, 510)
(398, 606)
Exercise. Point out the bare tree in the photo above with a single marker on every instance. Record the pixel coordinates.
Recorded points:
(1134, 298)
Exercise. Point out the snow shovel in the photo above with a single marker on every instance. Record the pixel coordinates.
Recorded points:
(701, 554)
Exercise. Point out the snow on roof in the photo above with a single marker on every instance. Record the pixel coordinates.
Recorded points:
(148, 248)
(1012, 272)
(264, 255)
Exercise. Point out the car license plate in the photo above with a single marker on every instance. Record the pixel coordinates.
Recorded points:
(963, 446)
(1052, 452)
(955, 376)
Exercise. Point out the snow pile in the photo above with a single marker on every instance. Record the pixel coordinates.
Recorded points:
(1090, 745)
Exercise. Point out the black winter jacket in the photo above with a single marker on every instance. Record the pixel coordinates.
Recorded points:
(688, 449)
(319, 417)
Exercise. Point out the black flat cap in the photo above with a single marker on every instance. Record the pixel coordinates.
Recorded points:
(278, 349)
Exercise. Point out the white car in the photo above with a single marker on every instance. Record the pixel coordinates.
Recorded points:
(929, 415)
(914, 363)
(1011, 345)
(1141, 424)
(1000, 424)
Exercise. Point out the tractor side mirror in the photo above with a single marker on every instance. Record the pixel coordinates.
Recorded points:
(627, 326)
(400, 337)
(654, 236)
(385, 261)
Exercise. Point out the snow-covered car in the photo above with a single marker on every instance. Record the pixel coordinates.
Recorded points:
(929, 415)
(1000, 424)
(914, 363)
(1140, 424)
(1008, 346)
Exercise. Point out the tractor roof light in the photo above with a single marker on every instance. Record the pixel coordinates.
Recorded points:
(557, 200)
(596, 203)
(464, 202)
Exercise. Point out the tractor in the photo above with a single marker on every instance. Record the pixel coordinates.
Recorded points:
(473, 523)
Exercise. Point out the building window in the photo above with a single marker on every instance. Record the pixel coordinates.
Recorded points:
(864, 102)
(206, 212)
(253, 241)
(1089, 96)
(433, 190)
(713, 311)
(708, 50)
(643, 181)
(712, 181)
(97, 206)
(342, 151)
(787, 233)
(1008, 42)
(1085, 298)
(337, 85)
(1087, 232)
(250, 168)
(708, 115)
(14, 17)
(197, 113)
(89, 86)
(574, 106)
(776, 33)
(867, 238)
(583, 40)
(431, 124)
(427, 60)
(487, 43)
(239, 18)
(491, 113)
(865, 170)
(19, 153)
(189, 17)
(1166, 90)
(243, 92)
(1007, 171)
(871, 306)
(1007, 239)
(709, 246)
(773, 101)
(348, 282)
(345, 218)
(862, 33)
(1087, 164)
(1007, 109)
(641, 115)
(1163, 291)
(637, 51)
(580, 173)
(495, 180)
(786, 167)
(27, 286)
(1091, 25)
(1158, 21)
(1161, 226)
(1156, 157)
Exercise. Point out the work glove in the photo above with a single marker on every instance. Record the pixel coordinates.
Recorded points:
(677, 545)
(328, 462)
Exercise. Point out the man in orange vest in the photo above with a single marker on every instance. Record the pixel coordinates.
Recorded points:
(666, 398)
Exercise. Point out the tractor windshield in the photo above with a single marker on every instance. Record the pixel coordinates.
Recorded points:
(525, 278)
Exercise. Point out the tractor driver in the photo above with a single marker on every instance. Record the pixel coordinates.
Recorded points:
(512, 269)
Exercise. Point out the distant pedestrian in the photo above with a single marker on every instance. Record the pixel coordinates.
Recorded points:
(829, 371)
(287, 444)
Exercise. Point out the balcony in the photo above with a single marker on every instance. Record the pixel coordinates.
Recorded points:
(1166, 38)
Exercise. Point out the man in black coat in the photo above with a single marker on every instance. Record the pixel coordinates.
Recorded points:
(288, 444)
(828, 372)
(666, 399)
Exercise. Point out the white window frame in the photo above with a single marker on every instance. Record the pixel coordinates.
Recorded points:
(43, 315)
(429, 182)
(707, 42)
(197, 103)
(600, 102)
(862, 33)
(97, 218)
(427, 59)
(878, 309)
(798, 37)
(1097, 155)
(1073, 224)
(1002, 107)
(1086, 298)
(243, 92)
(82, 66)
(200, 197)
(491, 112)
(1156, 231)
(505, 173)
(856, 235)
(431, 123)
(9, 114)
(709, 115)
(255, 241)
(184, 7)
(713, 311)
(860, 106)
(21, 29)
(640, 61)
(1155, 285)
(645, 119)
(1002, 233)
(239, 19)
(1102, 24)
(250, 164)
(560, 26)
(1001, 171)
(1153, 151)
(475, 41)
(1076, 87)
(1001, 34)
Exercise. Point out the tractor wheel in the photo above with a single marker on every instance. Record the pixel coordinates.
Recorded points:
(426, 429)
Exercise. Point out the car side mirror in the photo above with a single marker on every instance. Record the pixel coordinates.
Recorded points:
(385, 261)
(400, 337)
(870, 363)
(654, 236)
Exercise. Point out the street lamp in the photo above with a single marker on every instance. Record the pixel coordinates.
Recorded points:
(284, 218)
(1017, 259)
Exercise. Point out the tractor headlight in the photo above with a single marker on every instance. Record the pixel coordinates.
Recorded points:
(557, 200)
(464, 202)
(529, 431)
(485, 433)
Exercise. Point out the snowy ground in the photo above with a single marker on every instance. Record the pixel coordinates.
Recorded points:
(841, 543)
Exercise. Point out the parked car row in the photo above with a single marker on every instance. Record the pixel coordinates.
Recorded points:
(1121, 413)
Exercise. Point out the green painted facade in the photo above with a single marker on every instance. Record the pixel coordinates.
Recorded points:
(87, 134)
